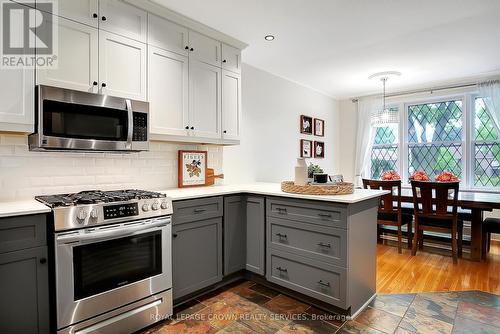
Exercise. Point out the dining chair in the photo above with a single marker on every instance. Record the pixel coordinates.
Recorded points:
(435, 207)
(490, 225)
(389, 210)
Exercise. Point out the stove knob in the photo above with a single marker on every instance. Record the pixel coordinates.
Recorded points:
(145, 207)
(81, 214)
(164, 205)
(94, 214)
(155, 205)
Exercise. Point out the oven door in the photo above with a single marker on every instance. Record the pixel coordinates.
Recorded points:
(101, 269)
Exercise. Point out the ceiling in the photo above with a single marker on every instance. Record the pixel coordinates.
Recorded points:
(334, 45)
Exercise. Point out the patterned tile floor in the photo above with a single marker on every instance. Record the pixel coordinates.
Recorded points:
(246, 307)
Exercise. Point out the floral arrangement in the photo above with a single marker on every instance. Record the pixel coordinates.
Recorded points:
(390, 175)
(420, 176)
(447, 177)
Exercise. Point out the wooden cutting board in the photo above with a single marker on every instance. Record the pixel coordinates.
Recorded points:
(210, 177)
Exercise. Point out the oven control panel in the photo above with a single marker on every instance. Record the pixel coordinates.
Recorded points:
(121, 210)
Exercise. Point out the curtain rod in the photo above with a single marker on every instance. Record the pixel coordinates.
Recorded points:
(423, 90)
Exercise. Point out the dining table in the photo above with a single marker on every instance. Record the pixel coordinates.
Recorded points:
(478, 203)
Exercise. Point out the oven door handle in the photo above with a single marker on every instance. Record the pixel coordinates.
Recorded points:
(114, 232)
(130, 127)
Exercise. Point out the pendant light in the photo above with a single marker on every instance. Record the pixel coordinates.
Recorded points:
(386, 115)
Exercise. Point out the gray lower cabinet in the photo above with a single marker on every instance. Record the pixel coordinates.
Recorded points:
(234, 234)
(24, 286)
(255, 209)
(196, 251)
(244, 234)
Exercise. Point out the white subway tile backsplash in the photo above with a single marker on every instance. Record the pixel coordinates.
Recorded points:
(25, 174)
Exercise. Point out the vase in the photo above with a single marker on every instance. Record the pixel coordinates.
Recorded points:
(301, 172)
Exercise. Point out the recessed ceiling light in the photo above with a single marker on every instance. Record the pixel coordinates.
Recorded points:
(269, 37)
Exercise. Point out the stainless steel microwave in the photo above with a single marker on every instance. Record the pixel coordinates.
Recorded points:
(72, 120)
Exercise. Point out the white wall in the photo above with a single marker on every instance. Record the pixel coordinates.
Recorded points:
(348, 129)
(270, 141)
(25, 174)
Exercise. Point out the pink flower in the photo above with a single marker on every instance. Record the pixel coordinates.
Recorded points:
(390, 175)
(420, 176)
(446, 177)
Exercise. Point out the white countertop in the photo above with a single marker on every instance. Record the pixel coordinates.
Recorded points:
(269, 189)
(29, 207)
(20, 208)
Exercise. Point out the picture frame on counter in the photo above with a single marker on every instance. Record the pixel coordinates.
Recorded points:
(319, 127)
(305, 148)
(306, 124)
(192, 168)
(319, 149)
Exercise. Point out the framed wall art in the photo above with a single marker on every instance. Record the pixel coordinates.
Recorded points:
(192, 168)
(306, 124)
(319, 127)
(305, 148)
(319, 149)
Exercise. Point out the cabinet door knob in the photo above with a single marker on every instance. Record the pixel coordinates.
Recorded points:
(191, 49)
(187, 47)
(94, 83)
(103, 18)
(187, 127)
(103, 84)
(43, 260)
(224, 131)
(174, 235)
(95, 16)
(192, 128)
(224, 61)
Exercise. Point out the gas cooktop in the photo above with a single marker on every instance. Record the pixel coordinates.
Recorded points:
(97, 196)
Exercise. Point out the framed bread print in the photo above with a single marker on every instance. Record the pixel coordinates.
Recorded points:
(306, 125)
(319, 127)
(305, 148)
(192, 168)
(319, 149)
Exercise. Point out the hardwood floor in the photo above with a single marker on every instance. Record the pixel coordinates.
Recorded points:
(433, 270)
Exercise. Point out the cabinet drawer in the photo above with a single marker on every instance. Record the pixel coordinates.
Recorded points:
(197, 209)
(312, 278)
(22, 232)
(331, 215)
(312, 241)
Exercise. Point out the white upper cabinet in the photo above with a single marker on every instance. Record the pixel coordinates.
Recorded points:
(204, 99)
(231, 105)
(204, 49)
(231, 58)
(168, 92)
(83, 11)
(121, 18)
(17, 93)
(77, 58)
(122, 66)
(167, 35)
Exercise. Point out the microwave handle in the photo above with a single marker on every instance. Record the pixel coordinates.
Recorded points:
(130, 129)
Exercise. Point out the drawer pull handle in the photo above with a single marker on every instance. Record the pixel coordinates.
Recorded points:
(281, 236)
(324, 283)
(199, 210)
(325, 215)
(322, 244)
(281, 269)
(281, 210)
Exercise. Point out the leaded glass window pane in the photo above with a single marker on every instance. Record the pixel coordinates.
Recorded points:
(384, 154)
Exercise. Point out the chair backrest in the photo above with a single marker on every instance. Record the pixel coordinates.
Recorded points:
(435, 198)
(386, 204)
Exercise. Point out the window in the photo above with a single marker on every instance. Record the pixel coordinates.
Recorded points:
(435, 138)
(384, 154)
(486, 148)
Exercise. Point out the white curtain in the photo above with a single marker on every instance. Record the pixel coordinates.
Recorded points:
(490, 92)
(364, 135)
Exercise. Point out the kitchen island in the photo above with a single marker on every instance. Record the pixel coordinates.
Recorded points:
(323, 248)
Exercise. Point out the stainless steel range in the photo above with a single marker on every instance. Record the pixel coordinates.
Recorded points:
(112, 260)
